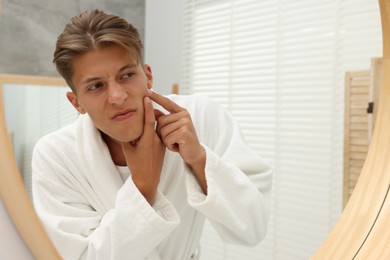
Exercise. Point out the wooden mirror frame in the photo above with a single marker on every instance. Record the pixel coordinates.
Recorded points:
(360, 233)
(12, 191)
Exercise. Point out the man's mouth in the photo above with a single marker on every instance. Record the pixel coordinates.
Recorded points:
(124, 114)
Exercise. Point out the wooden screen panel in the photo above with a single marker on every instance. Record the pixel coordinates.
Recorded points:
(375, 86)
(356, 128)
(361, 88)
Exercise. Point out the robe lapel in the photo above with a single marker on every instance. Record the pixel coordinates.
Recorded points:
(97, 164)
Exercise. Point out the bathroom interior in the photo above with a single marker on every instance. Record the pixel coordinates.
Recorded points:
(287, 70)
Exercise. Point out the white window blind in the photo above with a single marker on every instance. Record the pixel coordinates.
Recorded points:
(278, 67)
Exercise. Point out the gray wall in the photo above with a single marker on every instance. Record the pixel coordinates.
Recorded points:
(163, 28)
(29, 29)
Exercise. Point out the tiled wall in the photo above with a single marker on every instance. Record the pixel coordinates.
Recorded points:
(29, 29)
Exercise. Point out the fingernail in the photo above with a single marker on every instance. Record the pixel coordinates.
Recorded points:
(149, 91)
(147, 99)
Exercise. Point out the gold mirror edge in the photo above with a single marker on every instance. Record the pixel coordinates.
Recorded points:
(12, 191)
(364, 217)
(31, 80)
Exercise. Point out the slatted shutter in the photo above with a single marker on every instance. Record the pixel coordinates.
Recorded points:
(361, 102)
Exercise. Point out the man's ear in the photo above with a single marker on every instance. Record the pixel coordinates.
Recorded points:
(73, 100)
(149, 75)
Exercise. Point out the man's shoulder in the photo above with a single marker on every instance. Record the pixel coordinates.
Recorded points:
(61, 137)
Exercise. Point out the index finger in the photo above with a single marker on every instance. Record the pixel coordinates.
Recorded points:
(166, 103)
(150, 118)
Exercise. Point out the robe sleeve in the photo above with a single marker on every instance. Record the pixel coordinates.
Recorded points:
(130, 230)
(238, 180)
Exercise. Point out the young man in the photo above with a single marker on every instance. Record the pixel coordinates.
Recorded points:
(135, 180)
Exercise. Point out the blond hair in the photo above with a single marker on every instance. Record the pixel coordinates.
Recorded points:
(89, 31)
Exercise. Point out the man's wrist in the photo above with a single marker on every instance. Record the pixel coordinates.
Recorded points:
(198, 170)
(147, 191)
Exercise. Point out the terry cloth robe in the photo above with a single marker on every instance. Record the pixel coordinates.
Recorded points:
(90, 213)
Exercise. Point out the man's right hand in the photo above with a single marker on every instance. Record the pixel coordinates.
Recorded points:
(145, 157)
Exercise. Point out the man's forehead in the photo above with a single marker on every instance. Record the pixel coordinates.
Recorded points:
(95, 63)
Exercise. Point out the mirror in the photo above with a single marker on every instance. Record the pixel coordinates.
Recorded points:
(39, 106)
(16, 152)
(4, 194)
(362, 230)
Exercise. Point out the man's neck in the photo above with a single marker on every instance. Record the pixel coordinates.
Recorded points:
(115, 149)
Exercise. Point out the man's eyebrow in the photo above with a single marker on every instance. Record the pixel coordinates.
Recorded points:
(127, 66)
(89, 80)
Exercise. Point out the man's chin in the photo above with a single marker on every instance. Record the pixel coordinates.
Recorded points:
(128, 139)
(132, 139)
(135, 141)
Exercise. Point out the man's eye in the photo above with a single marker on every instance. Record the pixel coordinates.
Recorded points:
(127, 75)
(96, 86)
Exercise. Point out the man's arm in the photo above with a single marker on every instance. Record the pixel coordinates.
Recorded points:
(238, 180)
(178, 135)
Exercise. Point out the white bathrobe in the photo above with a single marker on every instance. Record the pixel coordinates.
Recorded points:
(90, 213)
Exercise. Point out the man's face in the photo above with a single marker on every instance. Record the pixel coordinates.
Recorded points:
(110, 85)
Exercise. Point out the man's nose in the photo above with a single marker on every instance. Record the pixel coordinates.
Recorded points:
(116, 93)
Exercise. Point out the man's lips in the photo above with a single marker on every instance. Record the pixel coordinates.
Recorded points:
(124, 114)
